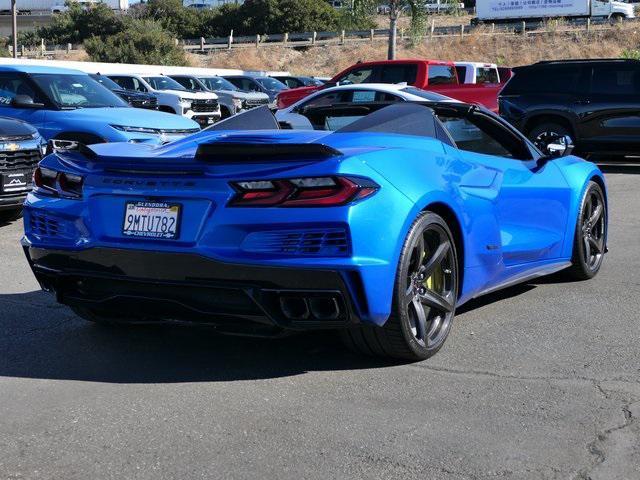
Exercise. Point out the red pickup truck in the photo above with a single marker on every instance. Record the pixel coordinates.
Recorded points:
(433, 75)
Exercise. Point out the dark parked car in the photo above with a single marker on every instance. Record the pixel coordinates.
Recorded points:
(292, 81)
(132, 97)
(20, 149)
(594, 102)
(257, 83)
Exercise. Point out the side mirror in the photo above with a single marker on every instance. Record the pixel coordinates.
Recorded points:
(559, 146)
(25, 101)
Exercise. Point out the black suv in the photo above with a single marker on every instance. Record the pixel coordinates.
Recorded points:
(594, 102)
(132, 97)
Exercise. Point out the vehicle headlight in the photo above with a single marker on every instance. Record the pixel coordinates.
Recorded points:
(185, 103)
(126, 128)
(237, 103)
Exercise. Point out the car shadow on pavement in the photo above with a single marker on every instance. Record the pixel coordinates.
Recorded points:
(42, 339)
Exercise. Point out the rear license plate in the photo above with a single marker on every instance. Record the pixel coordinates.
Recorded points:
(152, 220)
(16, 182)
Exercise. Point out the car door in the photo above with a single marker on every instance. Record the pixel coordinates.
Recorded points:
(530, 200)
(611, 120)
(13, 84)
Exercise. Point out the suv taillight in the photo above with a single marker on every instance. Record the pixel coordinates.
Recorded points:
(301, 192)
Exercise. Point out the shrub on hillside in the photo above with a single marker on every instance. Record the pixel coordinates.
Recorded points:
(143, 42)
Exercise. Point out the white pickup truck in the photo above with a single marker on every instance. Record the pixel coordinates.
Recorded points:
(203, 107)
(477, 72)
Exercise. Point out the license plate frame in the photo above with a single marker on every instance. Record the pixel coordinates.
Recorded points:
(15, 182)
(146, 208)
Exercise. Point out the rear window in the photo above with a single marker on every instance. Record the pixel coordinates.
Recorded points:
(486, 75)
(442, 74)
(546, 79)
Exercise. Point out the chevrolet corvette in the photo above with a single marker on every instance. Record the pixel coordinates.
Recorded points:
(378, 227)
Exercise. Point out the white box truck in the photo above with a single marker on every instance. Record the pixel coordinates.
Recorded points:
(513, 10)
(47, 7)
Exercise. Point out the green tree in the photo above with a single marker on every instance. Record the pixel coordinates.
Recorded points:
(143, 42)
(416, 9)
(77, 24)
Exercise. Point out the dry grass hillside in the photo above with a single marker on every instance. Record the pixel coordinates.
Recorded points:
(511, 50)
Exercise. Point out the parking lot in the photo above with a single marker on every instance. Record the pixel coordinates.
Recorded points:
(538, 381)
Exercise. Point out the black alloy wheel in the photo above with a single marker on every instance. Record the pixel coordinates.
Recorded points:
(425, 295)
(590, 239)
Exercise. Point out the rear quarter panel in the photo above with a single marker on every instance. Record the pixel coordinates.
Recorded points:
(578, 173)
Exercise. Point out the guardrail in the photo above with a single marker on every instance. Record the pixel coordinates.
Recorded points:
(311, 39)
(307, 39)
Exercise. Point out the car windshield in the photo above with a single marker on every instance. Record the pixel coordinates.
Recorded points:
(106, 81)
(218, 83)
(434, 97)
(163, 83)
(271, 83)
(76, 91)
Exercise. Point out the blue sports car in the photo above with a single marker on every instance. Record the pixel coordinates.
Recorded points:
(378, 228)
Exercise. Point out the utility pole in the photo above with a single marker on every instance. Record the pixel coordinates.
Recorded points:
(14, 27)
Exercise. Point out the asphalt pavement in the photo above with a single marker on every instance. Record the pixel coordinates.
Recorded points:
(540, 381)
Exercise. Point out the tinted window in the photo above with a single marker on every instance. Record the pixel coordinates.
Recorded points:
(398, 73)
(546, 79)
(188, 83)
(291, 82)
(357, 75)
(461, 71)
(482, 134)
(486, 75)
(350, 96)
(442, 74)
(245, 84)
(129, 83)
(615, 80)
(324, 100)
(271, 83)
(12, 84)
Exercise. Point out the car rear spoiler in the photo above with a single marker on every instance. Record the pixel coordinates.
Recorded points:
(228, 152)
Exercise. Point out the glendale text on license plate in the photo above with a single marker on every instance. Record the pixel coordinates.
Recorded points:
(151, 220)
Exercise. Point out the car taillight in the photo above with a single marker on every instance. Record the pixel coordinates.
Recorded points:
(51, 181)
(301, 192)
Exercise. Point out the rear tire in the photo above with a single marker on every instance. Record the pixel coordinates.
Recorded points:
(589, 241)
(425, 292)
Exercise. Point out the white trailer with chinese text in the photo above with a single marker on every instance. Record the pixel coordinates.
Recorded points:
(514, 10)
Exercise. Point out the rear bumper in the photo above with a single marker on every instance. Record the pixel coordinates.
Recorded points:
(148, 285)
